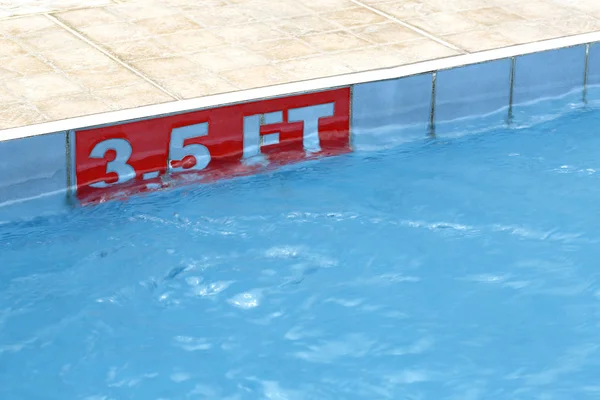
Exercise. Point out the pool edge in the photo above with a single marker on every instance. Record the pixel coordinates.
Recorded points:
(383, 107)
(294, 88)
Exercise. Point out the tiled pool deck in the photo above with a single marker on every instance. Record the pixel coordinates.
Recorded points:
(69, 58)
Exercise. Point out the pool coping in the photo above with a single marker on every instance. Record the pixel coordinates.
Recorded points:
(299, 87)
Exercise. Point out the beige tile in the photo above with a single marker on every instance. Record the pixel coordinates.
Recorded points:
(203, 3)
(479, 40)
(354, 17)
(541, 10)
(283, 49)
(71, 106)
(42, 86)
(110, 33)
(525, 32)
(190, 41)
(376, 2)
(314, 67)
(247, 43)
(388, 32)
(25, 65)
(409, 9)
(16, 115)
(25, 25)
(7, 74)
(81, 58)
(373, 58)
(263, 10)
(185, 4)
(10, 49)
(59, 5)
(445, 23)
(575, 25)
(52, 39)
(591, 7)
(249, 33)
(569, 3)
(70, 4)
(142, 9)
(173, 24)
(456, 5)
(335, 41)
(305, 25)
(491, 16)
(139, 49)
(167, 68)
(103, 78)
(219, 16)
(595, 14)
(191, 86)
(28, 7)
(137, 95)
(227, 58)
(326, 5)
(422, 50)
(7, 97)
(501, 3)
(88, 17)
(26, 10)
(258, 76)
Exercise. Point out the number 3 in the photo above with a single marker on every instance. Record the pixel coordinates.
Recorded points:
(119, 166)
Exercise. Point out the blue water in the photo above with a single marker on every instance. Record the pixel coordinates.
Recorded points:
(464, 268)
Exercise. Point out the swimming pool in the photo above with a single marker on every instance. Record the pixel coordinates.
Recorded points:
(457, 267)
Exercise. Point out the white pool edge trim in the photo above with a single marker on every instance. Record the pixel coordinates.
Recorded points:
(242, 96)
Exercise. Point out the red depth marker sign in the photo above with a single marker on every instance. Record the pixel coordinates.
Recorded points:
(205, 145)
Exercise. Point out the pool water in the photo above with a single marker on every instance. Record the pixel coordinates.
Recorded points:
(464, 268)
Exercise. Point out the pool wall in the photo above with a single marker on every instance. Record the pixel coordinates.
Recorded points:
(44, 166)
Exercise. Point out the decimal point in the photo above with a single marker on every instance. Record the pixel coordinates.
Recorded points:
(151, 175)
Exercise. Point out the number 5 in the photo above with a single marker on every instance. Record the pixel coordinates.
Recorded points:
(178, 150)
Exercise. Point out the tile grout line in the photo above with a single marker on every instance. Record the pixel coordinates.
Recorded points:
(409, 26)
(69, 164)
(432, 107)
(111, 56)
(513, 66)
(585, 72)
